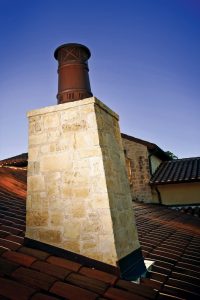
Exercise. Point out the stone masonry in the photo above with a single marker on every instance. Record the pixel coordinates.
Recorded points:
(139, 173)
(78, 192)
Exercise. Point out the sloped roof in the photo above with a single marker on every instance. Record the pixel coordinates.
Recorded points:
(177, 171)
(170, 238)
(20, 160)
(13, 181)
(152, 148)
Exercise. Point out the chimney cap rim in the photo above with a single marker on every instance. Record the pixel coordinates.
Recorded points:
(71, 45)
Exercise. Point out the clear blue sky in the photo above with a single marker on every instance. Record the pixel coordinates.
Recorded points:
(145, 65)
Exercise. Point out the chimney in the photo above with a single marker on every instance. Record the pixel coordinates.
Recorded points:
(73, 77)
(78, 194)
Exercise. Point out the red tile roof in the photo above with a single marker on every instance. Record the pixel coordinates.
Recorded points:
(177, 171)
(17, 161)
(169, 237)
(13, 183)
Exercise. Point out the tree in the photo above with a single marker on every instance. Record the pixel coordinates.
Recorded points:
(171, 155)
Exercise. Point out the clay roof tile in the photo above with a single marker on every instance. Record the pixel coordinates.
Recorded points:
(169, 237)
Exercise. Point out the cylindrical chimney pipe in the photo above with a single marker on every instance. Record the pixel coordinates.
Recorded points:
(73, 77)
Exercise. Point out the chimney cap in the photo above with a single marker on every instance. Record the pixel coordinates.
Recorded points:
(71, 45)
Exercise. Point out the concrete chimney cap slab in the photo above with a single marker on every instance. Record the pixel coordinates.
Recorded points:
(71, 45)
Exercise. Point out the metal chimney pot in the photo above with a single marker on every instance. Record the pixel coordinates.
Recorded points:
(73, 77)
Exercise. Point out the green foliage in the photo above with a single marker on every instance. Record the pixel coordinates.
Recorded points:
(171, 155)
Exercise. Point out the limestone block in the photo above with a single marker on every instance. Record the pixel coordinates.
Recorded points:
(37, 139)
(50, 236)
(89, 244)
(33, 153)
(36, 125)
(52, 189)
(74, 125)
(55, 202)
(92, 225)
(67, 193)
(53, 135)
(78, 192)
(57, 217)
(72, 230)
(36, 183)
(72, 245)
(36, 218)
(34, 168)
(100, 202)
(81, 193)
(36, 201)
(45, 148)
(55, 162)
(78, 210)
(32, 232)
(51, 120)
(106, 221)
(69, 115)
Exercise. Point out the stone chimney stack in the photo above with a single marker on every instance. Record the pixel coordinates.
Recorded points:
(78, 194)
(73, 77)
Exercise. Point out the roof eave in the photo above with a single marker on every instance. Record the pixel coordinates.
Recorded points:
(152, 183)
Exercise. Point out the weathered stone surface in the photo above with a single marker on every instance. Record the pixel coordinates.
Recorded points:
(57, 218)
(78, 192)
(55, 162)
(50, 236)
(36, 183)
(138, 168)
(36, 218)
(51, 120)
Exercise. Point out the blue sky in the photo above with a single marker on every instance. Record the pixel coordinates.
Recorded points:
(145, 65)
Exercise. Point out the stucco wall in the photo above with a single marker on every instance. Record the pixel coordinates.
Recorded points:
(137, 155)
(181, 193)
(155, 163)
